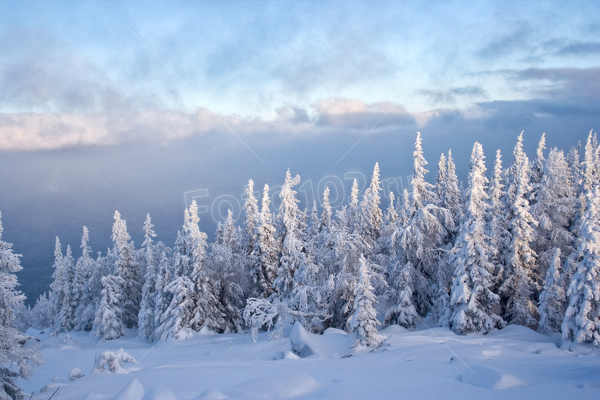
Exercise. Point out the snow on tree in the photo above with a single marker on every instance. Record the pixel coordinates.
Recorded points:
(582, 318)
(343, 261)
(472, 302)
(57, 287)
(402, 312)
(266, 251)
(66, 314)
(83, 293)
(327, 213)
(290, 231)
(364, 318)
(176, 320)
(426, 231)
(441, 180)
(554, 210)
(519, 285)
(16, 360)
(162, 298)
(552, 298)
(421, 191)
(108, 324)
(127, 269)
(227, 261)
(370, 216)
(42, 315)
(207, 310)
(404, 209)
(146, 325)
(452, 198)
(537, 169)
(497, 225)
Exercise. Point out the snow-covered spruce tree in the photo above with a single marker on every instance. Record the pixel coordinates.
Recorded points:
(427, 230)
(266, 251)
(342, 261)
(552, 299)
(364, 317)
(41, 313)
(162, 298)
(402, 312)
(65, 318)
(208, 311)
(370, 216)
(146, 326)
(127, 269)
(227, 262)
(441, 180)
(290, 228)
(16, 360)
(472, 302)
(175, 321)
(452, 193)
(537, 170)
(497, 225)
(249, 236)
(57, 287)
(84, 270)
(555, 210)
(108, 324)
(403, 209)
(519, 284)
(582, 318)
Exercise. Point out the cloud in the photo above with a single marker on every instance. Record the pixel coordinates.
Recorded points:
(449, 96)
(579, 49)
(355, 114)
(575, 84)
(507, 44)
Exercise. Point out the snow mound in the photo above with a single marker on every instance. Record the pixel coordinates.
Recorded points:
(277, 386)
(159, 392)
(95, 396)
(75, 374)
(394, 329)
(132, 391)
(307, 344)
(286, 355)
(210, 394)
(334, 331)
(206, 332)
(488, 378)
(112, 360)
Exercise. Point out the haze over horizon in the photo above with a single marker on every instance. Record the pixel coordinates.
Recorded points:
(130, 105)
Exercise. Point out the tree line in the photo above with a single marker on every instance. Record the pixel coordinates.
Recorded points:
(519, 245)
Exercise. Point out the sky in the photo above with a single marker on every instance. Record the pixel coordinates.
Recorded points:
(143, 106)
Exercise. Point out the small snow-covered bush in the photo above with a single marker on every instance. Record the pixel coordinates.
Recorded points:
(75, 374)
(112, 361)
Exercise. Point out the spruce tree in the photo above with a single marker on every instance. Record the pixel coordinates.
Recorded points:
(146, 325)
(266, 251)
(473, 302)
(84, 271)
(290, 227)
(497, 225)
(127, 269)
(552, 298)
(364, 318)
(16, 360)
(57, 287)
(582, 318)
(519, 286)
(108, 324)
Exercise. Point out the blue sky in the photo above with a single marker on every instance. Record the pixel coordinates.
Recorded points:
(128, 105)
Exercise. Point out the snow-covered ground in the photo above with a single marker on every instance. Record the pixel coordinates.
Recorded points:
(515, 363)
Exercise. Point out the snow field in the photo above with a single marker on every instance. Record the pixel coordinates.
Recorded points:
(514, 362)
